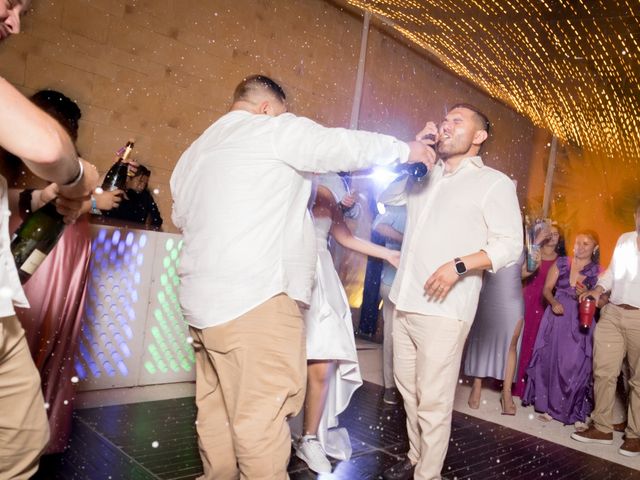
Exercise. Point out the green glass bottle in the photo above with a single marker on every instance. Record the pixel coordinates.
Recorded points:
(116, 177)
(40, 231)
(35, 238)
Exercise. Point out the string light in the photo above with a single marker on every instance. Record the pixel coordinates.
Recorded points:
(571, 67)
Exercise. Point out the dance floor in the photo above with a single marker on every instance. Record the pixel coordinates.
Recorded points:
(156, 440)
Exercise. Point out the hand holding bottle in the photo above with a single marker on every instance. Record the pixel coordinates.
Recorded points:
(428, 136)
(109, 200)
(423, 148)
(595, 293)
(69, 208)
(420, 153)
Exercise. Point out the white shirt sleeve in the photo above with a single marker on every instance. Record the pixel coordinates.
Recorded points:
(310, 147)
(605, 280)
(504, 221)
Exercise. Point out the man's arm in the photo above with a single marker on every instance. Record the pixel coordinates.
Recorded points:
(605, 283)
(41, 142)
(310, 147)
(502, 214)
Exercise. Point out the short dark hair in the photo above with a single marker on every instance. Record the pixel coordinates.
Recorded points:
(61, 108)
(255, 82)
(142, 171)
(481, 118)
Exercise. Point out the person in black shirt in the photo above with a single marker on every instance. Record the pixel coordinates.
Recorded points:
(137, 204)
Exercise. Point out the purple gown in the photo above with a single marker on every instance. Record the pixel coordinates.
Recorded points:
(559, 379)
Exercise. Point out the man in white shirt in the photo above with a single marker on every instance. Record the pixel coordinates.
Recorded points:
(463, 219)
(29, 133)
(240, 196)
(617, 335)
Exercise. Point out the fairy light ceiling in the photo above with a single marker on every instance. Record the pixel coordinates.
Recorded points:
(571, 66)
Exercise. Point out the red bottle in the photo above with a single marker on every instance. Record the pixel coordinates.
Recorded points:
(587, 310)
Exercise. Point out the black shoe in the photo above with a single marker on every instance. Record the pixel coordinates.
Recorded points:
(400, 471)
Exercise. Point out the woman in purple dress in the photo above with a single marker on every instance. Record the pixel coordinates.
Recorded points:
(551, 246)
(559, 377)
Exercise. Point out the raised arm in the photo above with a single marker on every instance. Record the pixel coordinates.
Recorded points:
(339, 230)
(310, 147)
(41, 142)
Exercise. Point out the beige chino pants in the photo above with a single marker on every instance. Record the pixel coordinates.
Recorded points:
(617, 334)
(427, 351)
(24, 429)
(250, 377)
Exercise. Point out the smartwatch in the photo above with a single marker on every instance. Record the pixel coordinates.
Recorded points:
(461, 268)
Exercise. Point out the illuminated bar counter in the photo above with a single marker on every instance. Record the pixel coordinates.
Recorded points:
(133, 332)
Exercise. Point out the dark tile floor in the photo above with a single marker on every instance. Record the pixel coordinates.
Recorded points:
(156, 440)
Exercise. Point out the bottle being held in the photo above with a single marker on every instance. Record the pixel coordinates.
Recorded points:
(587, 309)
(116, 177)
(42, 228)
(416, 170)
(35, 237)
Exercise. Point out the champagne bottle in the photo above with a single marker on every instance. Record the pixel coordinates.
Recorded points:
(116, 177)
(40, 231)
(416, 170)
(35, 238)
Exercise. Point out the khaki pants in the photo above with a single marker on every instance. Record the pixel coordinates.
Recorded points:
(426, 361)
(24, 429)
(617, 334)
(250, 376)
(387, 336)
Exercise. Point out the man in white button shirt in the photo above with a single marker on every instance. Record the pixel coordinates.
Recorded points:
(617, 335)
(240, 195)
(44, 146)
(463, 219)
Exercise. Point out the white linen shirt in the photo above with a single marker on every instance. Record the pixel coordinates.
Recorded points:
(11, 292)
(240, 195)
(622, 277)
(452, 215)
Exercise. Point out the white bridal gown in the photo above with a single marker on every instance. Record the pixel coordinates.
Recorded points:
(330, 337)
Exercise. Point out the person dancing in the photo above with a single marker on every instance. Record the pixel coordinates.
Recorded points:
(333, 374)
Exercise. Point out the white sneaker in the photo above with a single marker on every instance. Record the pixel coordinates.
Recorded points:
(310, 450)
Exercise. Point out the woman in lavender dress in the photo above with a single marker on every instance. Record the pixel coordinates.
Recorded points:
(559, 377)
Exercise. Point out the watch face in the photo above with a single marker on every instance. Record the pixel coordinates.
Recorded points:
(460, 268)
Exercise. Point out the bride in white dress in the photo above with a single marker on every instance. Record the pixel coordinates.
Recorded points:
(333, 374)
